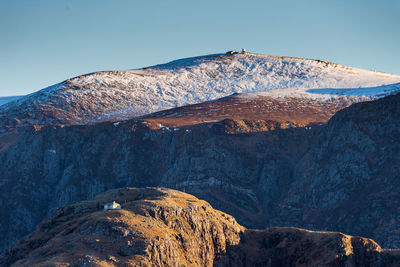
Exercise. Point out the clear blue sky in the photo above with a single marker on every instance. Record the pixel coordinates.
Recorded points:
(43, 42)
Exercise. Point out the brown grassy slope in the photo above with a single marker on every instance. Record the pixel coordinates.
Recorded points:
(163, 227)
(154, 227)
(260, 113)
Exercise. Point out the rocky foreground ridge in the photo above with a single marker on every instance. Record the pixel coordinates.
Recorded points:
(163, 227)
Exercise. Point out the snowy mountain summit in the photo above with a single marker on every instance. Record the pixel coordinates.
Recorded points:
(116, 95)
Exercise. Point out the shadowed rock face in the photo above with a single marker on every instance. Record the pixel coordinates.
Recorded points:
(52, 167)
(288, 246)
(341, 177)
(349, 180)
(163, 227)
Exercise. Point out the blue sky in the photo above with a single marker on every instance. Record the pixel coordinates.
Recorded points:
(43, 42)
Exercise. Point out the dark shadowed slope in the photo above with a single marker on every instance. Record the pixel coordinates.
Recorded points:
(350, 177)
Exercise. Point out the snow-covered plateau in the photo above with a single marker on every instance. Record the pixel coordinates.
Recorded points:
(118, 95)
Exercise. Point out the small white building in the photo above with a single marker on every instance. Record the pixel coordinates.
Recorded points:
(244, 51)
(112, 206)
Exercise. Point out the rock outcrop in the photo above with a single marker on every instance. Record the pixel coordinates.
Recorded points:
(163, 227)
(288, 246)
(155, 227)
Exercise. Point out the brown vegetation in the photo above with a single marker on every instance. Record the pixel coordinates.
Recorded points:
(258, 113)
(163, 227)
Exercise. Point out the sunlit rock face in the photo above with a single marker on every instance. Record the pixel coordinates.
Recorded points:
(154, 227)
(164, 227)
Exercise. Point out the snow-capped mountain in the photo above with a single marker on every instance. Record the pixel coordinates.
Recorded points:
(116, 95)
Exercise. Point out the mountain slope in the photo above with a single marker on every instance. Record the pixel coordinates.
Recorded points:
(340, 177)
(261, 112)
(53, 166)
(242, 153)
(350, 175)
(165, 227)
(116, 95)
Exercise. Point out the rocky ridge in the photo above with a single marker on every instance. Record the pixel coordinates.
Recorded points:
(163, 227)
(289, 246)
(155, 227)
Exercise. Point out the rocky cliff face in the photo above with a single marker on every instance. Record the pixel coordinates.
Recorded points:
(49, 168)
(340, 177)
(349, 178)
(164, 227)
(288, 246)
